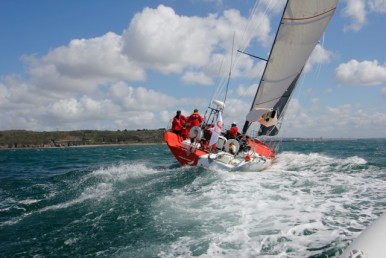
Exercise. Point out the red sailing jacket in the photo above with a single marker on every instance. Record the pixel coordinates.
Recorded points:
(195, 119)
(233, 132)
(178, 123)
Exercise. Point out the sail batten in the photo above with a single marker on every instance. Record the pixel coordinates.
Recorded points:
(301, 26)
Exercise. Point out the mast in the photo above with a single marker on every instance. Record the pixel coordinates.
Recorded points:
(247, 123)
(301, 26)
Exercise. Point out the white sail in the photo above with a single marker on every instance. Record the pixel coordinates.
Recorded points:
(301, 27)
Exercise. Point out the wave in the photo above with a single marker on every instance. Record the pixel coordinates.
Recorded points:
(73, 189)
(303, 204)
(317, 162)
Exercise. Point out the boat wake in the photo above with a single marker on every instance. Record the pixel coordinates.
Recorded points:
(301, 206)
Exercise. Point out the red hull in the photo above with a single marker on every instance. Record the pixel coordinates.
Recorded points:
(183, 156)
(190, 158)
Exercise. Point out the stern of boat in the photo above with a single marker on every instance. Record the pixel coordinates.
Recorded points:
(187, 154)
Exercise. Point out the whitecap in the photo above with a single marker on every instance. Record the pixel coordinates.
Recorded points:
(303, 202)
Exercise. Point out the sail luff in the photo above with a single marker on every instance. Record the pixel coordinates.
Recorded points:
(301, 26)
(247, 123)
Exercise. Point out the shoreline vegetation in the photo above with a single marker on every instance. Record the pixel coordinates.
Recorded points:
(23, 139)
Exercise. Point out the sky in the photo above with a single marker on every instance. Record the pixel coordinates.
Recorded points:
(116, 65)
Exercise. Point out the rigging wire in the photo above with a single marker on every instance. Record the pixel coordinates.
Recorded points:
(230, 70)
(255, 20)
(320, 65)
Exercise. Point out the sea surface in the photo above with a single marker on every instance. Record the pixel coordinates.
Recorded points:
(136, 201)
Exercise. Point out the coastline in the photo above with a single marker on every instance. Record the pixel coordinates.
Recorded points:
(80, 146)
(22, 139)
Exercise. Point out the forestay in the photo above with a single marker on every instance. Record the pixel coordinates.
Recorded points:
(301, 27)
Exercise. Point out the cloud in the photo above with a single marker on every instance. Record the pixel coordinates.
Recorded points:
(244, 91)
(361, 73)
(120, 105)
(107, 82)
(318, 56)
(95, 58)
(358, 11)
(86, 83)
(378, 6)
(355, 9)
(83, 65)
(235, 111)
(196, 78)
(332, 122)
(276, 6)
(164, 41)
(139, 98)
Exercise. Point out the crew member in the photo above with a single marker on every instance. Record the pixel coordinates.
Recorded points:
(233, 131)
(178, 123)
(195, 119)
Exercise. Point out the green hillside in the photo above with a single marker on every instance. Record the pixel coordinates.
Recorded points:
(31, 139)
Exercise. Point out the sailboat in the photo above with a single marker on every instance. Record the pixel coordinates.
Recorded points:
(301, 27)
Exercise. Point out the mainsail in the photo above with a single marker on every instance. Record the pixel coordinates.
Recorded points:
(301, 26)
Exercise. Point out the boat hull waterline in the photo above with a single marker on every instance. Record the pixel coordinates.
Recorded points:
(257, 158)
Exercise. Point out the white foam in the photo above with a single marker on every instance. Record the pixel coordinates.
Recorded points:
(301, 203)
(29, 201)
(71, 241)
(102, 186)
(122, 172)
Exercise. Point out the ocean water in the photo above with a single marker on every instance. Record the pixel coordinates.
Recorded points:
(136, 201)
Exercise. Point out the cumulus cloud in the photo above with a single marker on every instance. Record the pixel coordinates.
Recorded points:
(196, 78)
(95, 58)
(378, 6)
(361, 73)
(87, 79)
(334, 122)
(358, 11)
(235, 112)
(244, 91)
(83, 65)
(162, 40)
(355, 9)
(120, 104)
(319, 56)
(103, 82)
(88, 83)
(139, 98)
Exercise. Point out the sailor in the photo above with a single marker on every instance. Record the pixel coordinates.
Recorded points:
(233, 131)
(195, 119)
(178, 123)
